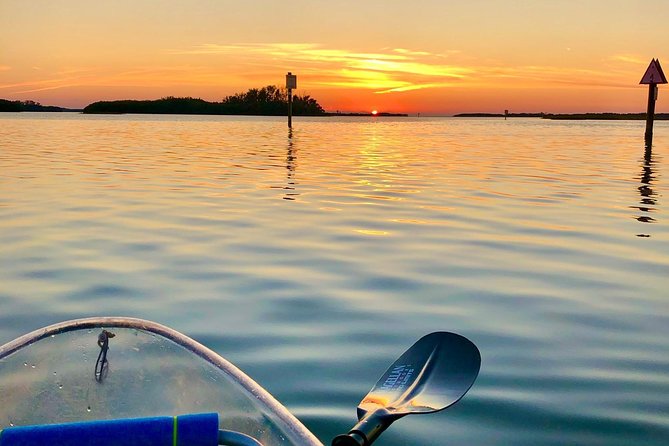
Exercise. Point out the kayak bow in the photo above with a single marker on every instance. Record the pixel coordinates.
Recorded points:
(51, 376)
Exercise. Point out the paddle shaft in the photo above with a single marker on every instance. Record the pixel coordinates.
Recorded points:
(367, 430)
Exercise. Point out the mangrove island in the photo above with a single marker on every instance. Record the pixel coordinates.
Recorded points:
(266, 101)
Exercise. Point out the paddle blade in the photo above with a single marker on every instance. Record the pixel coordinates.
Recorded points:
(431, 375)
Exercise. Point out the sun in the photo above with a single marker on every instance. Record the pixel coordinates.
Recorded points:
(374, 112)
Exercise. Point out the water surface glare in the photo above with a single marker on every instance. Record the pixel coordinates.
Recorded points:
(313, 260)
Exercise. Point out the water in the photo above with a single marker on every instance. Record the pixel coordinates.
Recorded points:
(313, 261)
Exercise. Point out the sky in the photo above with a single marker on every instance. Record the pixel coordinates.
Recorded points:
(420, 56)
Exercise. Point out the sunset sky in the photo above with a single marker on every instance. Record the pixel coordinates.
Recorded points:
(429, 56)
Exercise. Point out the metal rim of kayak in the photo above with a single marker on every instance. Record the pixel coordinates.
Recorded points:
(289, 420)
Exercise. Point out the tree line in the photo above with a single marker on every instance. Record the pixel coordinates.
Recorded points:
(267, 101)
(29, 106)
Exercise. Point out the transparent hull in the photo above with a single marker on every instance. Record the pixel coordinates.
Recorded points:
(49, 376)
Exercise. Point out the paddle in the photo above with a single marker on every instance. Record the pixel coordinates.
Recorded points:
(430, 376)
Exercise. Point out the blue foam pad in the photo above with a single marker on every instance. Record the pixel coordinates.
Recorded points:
(190, 430)
(197, 430)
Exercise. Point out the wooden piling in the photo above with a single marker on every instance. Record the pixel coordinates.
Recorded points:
(291, 82)
(650, 112)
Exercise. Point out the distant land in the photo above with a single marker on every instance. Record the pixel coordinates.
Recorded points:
(266, 101)
(606, 116)
(366, 114)
(189, 106)
(272, 101)
(499, 115)
(569, 116)
(30, 106)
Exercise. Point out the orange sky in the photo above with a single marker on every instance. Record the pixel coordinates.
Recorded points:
(429, 56)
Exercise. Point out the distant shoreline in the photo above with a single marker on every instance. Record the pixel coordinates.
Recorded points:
(551, 116)
(608, 116)
(31, 106)
(499, 115)
(329, 114)
(190, 106)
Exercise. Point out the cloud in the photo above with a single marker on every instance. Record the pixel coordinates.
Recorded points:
(418, 87)
(382, 71)
(149, 76)
(291, 51)
(395, 70)
(409, 52)
(627, 58)
(33, 84)
(385, 71)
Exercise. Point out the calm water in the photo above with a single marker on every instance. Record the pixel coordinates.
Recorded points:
(312, 262)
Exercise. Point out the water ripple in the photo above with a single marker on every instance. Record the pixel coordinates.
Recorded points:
(313, 260)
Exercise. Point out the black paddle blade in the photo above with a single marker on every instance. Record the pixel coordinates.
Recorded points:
(430, 376)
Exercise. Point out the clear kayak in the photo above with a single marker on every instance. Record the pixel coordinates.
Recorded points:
(123, 368)
(114, 381)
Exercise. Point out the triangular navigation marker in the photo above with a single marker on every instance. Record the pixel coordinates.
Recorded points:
(654, 74)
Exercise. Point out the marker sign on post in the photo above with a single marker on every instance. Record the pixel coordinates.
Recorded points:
(291, 83)
(653, 76)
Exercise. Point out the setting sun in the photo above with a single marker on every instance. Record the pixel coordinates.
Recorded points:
(374, 112)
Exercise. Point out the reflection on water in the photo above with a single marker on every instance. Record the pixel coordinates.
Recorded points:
(291, 162)
(648, 203)
(516, 234)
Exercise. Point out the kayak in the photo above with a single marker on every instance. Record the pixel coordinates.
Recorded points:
(114, 380)
(58, 375)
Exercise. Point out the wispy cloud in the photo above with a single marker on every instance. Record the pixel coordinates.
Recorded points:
(97, 77)
(290, 51)
(382, 71)
(385, 71)
(410, 52)
(627, 58)
(393, 70)
(556, 76)
(418, 87)
(33, 84)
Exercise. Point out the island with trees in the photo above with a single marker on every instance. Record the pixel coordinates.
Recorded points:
(29, 106)
(266, 101)
(569, 116)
